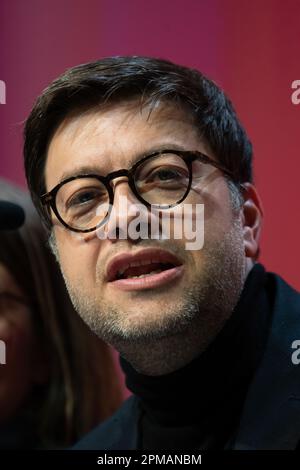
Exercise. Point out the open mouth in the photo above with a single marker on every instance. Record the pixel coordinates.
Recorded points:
(135, 271)
(143, 270)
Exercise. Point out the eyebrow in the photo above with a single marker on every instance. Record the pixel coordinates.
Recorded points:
(84, 170)
(94, 169)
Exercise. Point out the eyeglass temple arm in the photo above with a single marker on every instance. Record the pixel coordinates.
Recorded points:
(46, 198)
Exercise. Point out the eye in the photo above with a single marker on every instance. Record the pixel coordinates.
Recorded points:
(85, 197)
(167, 174)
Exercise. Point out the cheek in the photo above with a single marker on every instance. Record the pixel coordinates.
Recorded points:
(209, 210)
(218, 214)
(78, 255)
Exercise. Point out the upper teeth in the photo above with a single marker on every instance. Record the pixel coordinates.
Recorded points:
(136, 263)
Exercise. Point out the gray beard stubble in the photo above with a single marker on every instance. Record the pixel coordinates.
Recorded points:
(205, 305)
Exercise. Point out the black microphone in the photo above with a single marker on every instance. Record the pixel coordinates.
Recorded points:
(12, 216)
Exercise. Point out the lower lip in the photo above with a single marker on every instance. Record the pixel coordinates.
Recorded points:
(149, 282)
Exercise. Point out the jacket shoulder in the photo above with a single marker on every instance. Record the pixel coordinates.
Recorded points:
(287, 309)
(119, 432)
(271, 416)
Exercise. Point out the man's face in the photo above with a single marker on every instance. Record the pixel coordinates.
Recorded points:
(204, 285)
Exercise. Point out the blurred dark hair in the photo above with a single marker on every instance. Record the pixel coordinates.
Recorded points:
(83, 385)
(114, 79)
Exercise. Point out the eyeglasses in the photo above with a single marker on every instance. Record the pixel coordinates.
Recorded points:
(162, 179)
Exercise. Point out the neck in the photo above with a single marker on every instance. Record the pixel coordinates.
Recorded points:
(218, 375)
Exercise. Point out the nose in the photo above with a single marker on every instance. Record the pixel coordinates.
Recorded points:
(121, 187)
(129, 218)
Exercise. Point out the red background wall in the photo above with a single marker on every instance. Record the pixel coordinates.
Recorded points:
(251, 49)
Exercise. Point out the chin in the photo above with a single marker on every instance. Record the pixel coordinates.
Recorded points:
(144, 326)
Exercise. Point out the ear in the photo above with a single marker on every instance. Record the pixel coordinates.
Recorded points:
(252, 215)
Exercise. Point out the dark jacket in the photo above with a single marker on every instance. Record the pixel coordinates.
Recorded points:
(271, 414)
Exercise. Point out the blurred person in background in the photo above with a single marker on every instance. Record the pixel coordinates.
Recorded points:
(58, 379)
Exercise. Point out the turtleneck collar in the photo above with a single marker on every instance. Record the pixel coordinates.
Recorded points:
(217, 380)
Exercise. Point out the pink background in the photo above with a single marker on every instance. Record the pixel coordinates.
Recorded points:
(250, 48)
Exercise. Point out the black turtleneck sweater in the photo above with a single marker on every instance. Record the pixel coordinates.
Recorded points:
(198, 406)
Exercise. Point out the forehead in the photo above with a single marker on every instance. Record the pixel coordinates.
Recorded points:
(115, 137)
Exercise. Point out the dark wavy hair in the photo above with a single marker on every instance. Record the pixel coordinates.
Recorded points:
(114, 79)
